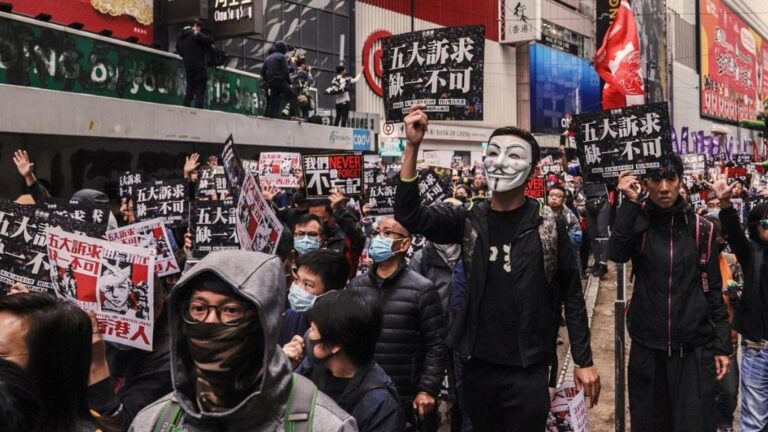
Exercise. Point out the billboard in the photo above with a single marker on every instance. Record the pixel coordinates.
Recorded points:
(733, 64)
(134, 19)
(235, 18)
(561, 84)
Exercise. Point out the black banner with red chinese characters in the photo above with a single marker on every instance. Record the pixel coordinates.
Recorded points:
(440, 68)
(630, 139)
(343, 171)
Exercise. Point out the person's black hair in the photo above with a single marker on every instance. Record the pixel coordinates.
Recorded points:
(351, 320)
(758, 213)
(20, 405)
(331, 266)
(300, 61)
(59, 356)
(306, 219)
(322, 202)
(466, 188)
(524, 134)
(340, 69)
(560, 188)
(196, 21)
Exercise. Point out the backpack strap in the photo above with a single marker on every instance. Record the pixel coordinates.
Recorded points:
(301, 405)
(548, 236)
(704, 232)
(169, 418)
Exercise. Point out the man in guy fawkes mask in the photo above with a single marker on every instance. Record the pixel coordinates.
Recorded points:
(228, 372)
(521, 268)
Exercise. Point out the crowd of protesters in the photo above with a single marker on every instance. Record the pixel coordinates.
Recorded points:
(352, 325)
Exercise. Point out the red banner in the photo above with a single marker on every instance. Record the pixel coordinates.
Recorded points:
(125, 19)
(731, 54)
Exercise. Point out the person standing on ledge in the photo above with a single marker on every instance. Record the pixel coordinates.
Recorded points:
(193, 46)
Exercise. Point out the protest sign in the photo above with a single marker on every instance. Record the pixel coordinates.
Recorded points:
(126, 182)
(233, 167)
(97, 214)
(440, 68)
(343, 171)
(165, 199)
(738, 205)
(113, 279)
(150, 234)
(694, 164)
(23, 243)
(258, 228)
(633, 139)
(742, 158)
(381, 198)
(279, 169)
(212, 183)
(213, 225)
(736, 172)
(719, 156)
(431, 189)
(568, 411)
(535, 188)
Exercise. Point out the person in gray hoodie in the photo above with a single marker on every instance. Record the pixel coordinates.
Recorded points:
(228, 372)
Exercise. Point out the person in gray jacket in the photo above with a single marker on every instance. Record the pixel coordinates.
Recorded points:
(228, 372)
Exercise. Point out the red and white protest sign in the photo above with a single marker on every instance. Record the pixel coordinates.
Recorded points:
(149, 235)
(258, 228)
(112, 279)
(568, 411)
(279, 169)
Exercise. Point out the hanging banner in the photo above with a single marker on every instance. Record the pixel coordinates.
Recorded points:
(343, 171)
(113, 279)
(279, 169)
(149, 235)
(23, 244)
(431, 189)
(441, 68)
(164, 199)
(212, 184)
(213, 225)
(258, 228)
(97, 214)
(630, 139)
(233, 167)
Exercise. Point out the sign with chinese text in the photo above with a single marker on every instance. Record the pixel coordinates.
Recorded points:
(733, 64)
(568, 411)
(440, 68)
(279, 169)
(152, 235)
(520, 21)
(23, 243)
(97, 214)
(126, 182)
(233, 166)
(165, 199)
(113, 279)
(431, 188)
(258, 228)
(630, 139)
(212, 183)
(343, 171)
(213, 225)
(230, 18)
(381, 197)
(742, 158)
(694, 163)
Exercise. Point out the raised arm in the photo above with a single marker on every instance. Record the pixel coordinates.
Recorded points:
(621, 245)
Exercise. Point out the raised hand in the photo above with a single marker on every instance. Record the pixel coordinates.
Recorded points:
(24, 166)
(191, 164)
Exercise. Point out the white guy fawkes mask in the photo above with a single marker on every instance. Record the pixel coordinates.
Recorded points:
(507, 162)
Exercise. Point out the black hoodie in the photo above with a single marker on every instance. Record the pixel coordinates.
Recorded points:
(193, 49)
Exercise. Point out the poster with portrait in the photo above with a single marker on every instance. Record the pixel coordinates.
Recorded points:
(113, 279)
(279, 169)
(258, 228)
(441, 68)
(149, 234)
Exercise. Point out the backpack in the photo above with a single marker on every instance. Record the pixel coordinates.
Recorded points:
(299, 411)
(336, 88)
(217, 57)
(703, 233)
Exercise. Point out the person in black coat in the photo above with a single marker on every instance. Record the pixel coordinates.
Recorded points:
(276, 74)
(411, 348)
(340, 360)
(193, 46)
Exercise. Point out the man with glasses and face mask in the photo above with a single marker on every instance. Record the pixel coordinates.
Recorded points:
(507, 327)
(678, 321)
(411, 348)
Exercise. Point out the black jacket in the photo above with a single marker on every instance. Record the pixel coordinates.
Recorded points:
(411, 348)
(669, 307)
(193, 49)
(540, 301)
(275, 66)
(751, 318)
(428, 263)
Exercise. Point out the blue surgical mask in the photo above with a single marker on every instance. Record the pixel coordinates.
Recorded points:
(300, 300)
(380, 249)
(306, 244)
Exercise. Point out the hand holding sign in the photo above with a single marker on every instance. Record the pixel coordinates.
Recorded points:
(416, 123)
(629, 186)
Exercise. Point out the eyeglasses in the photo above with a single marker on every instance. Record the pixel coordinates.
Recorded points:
(387, 233)
(230, 314)
(301, 233)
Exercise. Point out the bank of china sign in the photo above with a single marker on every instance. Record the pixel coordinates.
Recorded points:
(520, 21)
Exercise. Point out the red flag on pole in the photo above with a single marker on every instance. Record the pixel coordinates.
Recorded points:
(618, 62)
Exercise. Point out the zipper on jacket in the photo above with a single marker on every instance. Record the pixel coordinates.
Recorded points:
(669, 298)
